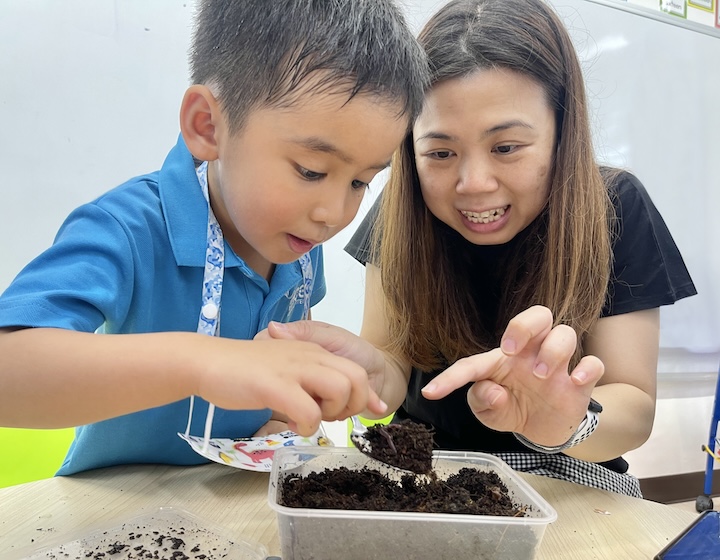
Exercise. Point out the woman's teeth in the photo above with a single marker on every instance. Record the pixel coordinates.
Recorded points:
(484, 217)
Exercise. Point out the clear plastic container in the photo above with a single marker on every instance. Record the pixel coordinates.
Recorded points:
(158, 534)
(326, 534)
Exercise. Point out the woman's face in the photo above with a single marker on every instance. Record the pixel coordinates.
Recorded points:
(484, 151)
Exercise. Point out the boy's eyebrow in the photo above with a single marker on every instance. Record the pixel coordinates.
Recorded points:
(316, 144)
(432, 135)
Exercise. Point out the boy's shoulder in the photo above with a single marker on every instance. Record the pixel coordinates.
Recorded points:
(170, 194)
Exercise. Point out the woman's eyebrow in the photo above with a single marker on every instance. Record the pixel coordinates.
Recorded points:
(515, 123)
(435, 136)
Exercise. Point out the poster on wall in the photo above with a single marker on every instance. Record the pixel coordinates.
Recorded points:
(717, 14)
(707, 5)
(674, 7)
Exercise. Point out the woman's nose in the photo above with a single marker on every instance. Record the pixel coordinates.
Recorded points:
(476, 175)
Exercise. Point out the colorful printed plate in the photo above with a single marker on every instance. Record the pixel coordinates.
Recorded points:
(254, 453)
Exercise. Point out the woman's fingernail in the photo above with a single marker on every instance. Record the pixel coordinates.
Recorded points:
(580, 376)
(508, 345)
(279, 326)
(541, 370)
(494, 395)
(430, 387)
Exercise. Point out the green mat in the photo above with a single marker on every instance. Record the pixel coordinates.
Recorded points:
(28, 455)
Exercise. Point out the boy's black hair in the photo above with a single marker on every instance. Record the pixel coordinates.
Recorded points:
(260, 53)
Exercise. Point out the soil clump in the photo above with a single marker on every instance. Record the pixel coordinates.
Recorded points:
(406, 445)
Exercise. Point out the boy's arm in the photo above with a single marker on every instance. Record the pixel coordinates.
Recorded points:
(52, 378)
(388, 374)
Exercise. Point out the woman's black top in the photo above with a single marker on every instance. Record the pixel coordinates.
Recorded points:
(648, 272)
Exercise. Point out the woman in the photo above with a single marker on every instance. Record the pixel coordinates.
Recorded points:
(496, 204)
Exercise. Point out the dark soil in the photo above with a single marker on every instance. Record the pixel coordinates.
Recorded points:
(406, 445)
(470, 491)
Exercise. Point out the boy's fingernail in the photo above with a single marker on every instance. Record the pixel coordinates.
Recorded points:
(279, 326)
(430, 387)
(383, 406)
(508, 345)
(541, 370)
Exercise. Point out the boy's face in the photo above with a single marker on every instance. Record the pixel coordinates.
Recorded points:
(294, 177)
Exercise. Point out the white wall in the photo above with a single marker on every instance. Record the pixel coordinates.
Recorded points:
(90, 92)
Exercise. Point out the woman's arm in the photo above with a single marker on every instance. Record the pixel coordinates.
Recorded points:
(628, 346)
(392, 382)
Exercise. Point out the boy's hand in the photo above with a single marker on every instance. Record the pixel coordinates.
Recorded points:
(300, 380)
(271, 427)
(337, 340)
(525, 386)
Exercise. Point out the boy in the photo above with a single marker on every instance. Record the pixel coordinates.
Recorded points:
(295, 106)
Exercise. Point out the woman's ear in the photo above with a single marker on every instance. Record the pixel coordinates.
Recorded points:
(200, 122)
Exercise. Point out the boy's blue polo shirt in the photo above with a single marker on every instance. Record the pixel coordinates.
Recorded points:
(132, 261)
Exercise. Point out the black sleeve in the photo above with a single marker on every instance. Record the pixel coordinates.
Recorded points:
(359, 246)
(648, 269)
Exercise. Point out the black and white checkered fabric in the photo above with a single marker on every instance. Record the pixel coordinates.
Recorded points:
(567, 468)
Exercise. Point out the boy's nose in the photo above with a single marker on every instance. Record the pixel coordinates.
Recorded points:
(330, 210)
(476, 176)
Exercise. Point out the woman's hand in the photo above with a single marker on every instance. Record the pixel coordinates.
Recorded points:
(525, 386)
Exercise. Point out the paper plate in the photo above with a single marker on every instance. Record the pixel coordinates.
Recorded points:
(254, 453)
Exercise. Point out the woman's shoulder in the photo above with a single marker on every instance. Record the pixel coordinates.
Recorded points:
(623, 185)
(648, 269)
(629, 197)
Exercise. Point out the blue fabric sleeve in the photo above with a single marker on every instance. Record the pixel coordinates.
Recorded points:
(83, 279)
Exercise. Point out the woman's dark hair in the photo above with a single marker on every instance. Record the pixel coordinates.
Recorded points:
(564, 260)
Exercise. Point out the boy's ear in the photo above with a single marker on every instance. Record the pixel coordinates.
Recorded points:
(200, 122)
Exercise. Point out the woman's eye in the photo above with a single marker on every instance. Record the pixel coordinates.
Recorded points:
(359, 185)
(440, 154)
(310, 175)
(506, 149)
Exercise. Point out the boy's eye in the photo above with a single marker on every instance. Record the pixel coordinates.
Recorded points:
(310, 175)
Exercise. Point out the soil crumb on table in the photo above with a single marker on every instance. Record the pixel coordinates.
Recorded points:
(470, 491)
(406, 445)
(162, 535)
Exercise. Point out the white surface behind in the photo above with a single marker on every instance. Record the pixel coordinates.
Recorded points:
(91, 90)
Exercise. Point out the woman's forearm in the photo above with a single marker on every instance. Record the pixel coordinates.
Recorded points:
(624, 424)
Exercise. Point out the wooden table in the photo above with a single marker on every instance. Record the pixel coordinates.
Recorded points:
(36, 513)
